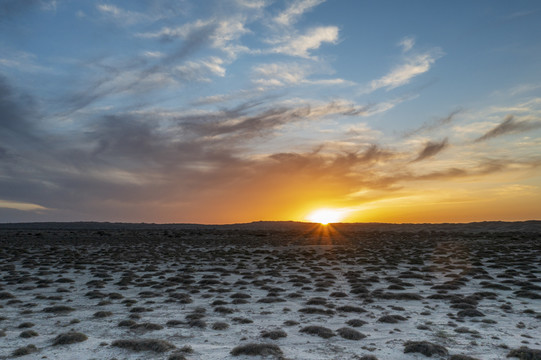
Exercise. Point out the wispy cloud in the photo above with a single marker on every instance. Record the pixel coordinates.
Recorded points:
(407, 43)
(20, 206)
(295, 10)
(433, 125)
(431, 149)
(121, 16)
(201, 69)
(292, 73)
(301, 45)
(225, 34)
(22, 61)
(413, 65)
(509, 126)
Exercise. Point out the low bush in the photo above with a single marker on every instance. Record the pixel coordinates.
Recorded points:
(350, 334)
(318, 331)
(274, 334)
(254, 349)
(525, 353)
(25, 350)
(220, 325)
(154, 345)
(69, 338)
(424, 347)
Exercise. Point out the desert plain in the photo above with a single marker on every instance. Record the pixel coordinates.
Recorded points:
(270, 290)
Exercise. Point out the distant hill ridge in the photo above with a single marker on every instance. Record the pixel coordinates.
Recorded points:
(485, 226)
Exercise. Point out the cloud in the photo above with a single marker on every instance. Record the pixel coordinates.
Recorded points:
(430, 149)
(253, 4)
(284, 74)
(413, 65)
(201, 69)
(295, 10)
(301, 45)
(22, 61)
(407, 43)
(510, 126)
(20, 206)
(224, 34)
(433, 125)
(125, 17)
(16, 111)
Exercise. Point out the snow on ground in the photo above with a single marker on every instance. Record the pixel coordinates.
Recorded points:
(206, 292)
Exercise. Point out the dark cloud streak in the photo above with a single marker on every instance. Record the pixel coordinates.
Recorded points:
(510, 126)
(431, 149)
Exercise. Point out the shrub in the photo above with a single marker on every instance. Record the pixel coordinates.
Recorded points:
(176, 356)
(254, 349)
(198, 323)
(470, 313)
(350, 334)
(25, 325)
(356, 322)
(5, 295)
(220, 325)
(25, 350)
(186, 349)
(291, 323)
(316, 301)
(28, 334)
(240, 296)
(126, 323)
(144, 345)
(314, 310)
(224, 310)
(102, 314)
(242, 320)
(349, 308)
(318, 331)
(525, 353)
(174, 322)
(270, 300)
(58, 309)
(391, 319)
(424, 347)
(69, 338)
(146, 326)
(274, 334)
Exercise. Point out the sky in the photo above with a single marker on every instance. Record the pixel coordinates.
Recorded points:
(228, 111)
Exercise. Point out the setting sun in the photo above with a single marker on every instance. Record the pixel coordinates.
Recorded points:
(325, 216)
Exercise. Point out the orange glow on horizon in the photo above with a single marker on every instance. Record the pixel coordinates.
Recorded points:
(326, 216)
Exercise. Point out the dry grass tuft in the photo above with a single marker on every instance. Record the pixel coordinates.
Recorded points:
(525, 353)
(220, 325)
(154, 345)
(25, 350)
(254, 349)
(274, 334)
(350, 334)
(28, 334)
(391, 319)
(69, 338)
(424, 347)
(318, 331)
(58, 309)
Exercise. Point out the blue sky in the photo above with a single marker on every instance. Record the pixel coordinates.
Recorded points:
(239, 110)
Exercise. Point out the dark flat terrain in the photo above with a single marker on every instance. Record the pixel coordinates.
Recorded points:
(290, 290)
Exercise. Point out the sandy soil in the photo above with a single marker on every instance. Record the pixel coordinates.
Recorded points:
(318, 294)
